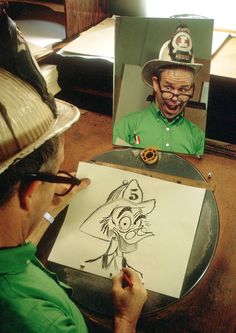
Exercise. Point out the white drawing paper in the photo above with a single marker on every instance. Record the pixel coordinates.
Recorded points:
(124, 218)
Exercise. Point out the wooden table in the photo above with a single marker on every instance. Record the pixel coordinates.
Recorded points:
(210, 307)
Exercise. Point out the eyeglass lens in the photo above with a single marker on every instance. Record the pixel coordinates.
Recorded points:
(169, 95)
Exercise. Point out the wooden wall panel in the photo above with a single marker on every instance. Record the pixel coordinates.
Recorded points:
(81, 14)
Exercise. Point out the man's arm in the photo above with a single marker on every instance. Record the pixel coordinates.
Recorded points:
(121, 132)
(200, 142)
(57, 205)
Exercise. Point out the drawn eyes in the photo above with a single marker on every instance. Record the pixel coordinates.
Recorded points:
(124, 223)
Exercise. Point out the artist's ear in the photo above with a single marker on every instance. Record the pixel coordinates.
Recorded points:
(28, 193)
(155, 83)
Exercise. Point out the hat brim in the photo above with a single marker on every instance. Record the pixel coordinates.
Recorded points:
(67, 114)
(150, 67)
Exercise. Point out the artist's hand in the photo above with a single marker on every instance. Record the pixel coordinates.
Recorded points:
(128, 301)
(60, 202)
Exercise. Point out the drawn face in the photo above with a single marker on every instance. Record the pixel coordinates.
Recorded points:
(129, 225)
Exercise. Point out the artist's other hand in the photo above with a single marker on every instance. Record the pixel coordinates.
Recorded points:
(128, 301)
(60, 202)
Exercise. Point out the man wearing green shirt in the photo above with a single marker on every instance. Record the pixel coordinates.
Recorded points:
(32, 193)
(163, 124)
(31, 297)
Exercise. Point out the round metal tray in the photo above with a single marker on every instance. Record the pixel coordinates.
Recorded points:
(94, 292)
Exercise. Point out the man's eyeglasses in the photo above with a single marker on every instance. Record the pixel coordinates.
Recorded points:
(66, 178)
(167, 95)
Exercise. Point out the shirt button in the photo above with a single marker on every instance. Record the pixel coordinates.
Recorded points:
(167, 144)
(167, 128)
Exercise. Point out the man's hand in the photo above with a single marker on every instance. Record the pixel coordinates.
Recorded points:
(128, 301)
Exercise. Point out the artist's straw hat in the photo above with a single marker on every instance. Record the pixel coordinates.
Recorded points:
(177, 51)
(26, 121)
(29, 115)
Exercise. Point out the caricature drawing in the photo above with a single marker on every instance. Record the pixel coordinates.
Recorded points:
(124, 219)
(122, 222)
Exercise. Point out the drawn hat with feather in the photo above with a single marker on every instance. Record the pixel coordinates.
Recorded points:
(178, 51)
(113, 216)
(29, 115)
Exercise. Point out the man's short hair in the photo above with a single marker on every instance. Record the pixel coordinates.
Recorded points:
(31, 163)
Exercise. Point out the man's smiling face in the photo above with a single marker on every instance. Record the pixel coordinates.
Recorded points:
(177, 81)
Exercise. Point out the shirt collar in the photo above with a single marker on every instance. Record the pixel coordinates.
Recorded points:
(16, 258)
(158, 112)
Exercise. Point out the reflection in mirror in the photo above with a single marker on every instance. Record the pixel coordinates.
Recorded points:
(162, 83)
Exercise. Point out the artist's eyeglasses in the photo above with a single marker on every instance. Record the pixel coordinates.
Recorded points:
(167, 95)
(66, 178)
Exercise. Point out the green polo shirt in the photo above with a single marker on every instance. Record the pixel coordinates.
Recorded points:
(150, 128)
(31, 297)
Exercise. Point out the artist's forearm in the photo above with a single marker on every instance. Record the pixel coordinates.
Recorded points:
(57, 205)
(36, 235)
(124, 326)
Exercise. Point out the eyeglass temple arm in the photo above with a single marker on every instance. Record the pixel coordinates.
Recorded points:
(53, 178)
